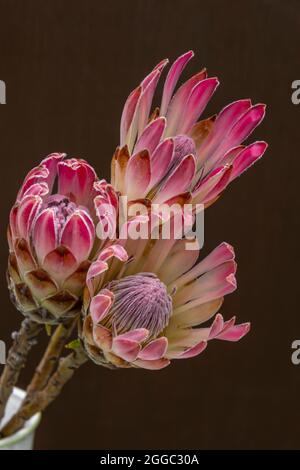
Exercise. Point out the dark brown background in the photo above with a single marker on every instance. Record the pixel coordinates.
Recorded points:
(68, 66)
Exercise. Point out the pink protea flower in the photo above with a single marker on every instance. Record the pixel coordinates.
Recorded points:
(168, 154)
(146, 318)
(52, 236)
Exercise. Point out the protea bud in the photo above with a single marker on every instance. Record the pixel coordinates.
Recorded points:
(52, 237)
(148, 318)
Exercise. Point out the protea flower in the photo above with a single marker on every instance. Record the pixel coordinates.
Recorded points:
(146, 318)
(52, 236)
(167, 155)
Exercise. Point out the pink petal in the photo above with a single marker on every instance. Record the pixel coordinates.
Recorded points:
(128, 113)
(139, 335)
(196, 103)
(96, 269)
(152, 365)
(25, 214)
(215, 179)
(151, 136)
(217, 326)
(239, 132)
(146, 98)
(178, 102)
(246, 124)
(159, 67)
(138, 175)
(235, 333)
(107, 192)
(114, 250)
(102, 337)
(247, 157)
(194, 351)
(77, 236)
(172, 79)
(156, 349)
(100, 306)
(179, 181)
(219, 186)
(223, 253)
(51, 162)
(60, 263)
(222, 125)
(161, 160)
(36, 175)
(126, 349)
(13, 222)
(107, 215)
(75, 180)
(44, 234)
(37, 189)
(231, 155)
(211, 285)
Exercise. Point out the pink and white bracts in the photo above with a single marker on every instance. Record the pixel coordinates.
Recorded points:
(170, 153)
(146, 319)
(52, 236)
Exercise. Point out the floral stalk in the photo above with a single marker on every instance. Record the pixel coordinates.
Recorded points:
(49, 359)
(23, 340)
(43, 398)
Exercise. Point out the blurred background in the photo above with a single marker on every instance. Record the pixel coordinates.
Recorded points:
(68, 68)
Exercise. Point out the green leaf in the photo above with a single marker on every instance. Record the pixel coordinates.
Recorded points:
(48, 329)
(73, 344)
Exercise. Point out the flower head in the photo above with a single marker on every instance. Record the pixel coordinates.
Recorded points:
(52, 236)
(145, 319)
(167, 152)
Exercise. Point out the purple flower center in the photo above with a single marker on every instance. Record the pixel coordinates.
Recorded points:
(183, 146)
(63, 208)
(141, 301)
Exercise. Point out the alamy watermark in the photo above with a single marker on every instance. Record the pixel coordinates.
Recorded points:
(2, 92)
(137, 220)
(295, 357)
(2, 352)
(295, 97)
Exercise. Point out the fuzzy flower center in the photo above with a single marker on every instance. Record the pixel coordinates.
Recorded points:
(183, 146)
(141, 301)
(63, 208)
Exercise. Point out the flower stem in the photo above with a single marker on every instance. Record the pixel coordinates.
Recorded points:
(43, 398)
(49, 359)
(23, 340)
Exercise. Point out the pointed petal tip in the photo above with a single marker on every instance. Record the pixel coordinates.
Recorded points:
(100, 306)
(261, 107)
(229, 247)
(155, 350)
(262, 144)
(231, 279)
(127, 349)
(194, 351)
(189, 54)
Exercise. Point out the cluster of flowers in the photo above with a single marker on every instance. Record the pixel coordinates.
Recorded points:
(140, 303)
